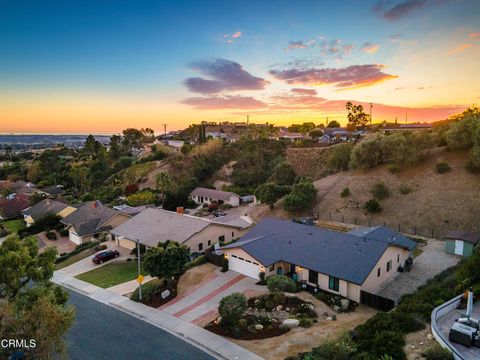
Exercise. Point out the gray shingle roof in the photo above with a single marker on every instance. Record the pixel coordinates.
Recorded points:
(470, 237)
(152, 226)
(89, 218)
(213, 194)
(345, 256)
(383, 233)
(44, 208)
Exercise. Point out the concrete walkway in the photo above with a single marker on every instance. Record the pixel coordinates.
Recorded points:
(129, 286)
(215, 345)
(205, 300)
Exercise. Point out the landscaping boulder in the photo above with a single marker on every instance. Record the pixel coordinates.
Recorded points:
(429, 337)
(165, 294)
(345, 304)
(279, 307)
(287, 309)
(258, 327)
(329, 318)
(336, 308)
(291, 323)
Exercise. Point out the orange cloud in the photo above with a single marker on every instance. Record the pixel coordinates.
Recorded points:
(474, 34)
(237, 34)
(370, 48)
(459, 48)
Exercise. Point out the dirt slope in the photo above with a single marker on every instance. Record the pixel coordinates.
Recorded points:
(444, 202)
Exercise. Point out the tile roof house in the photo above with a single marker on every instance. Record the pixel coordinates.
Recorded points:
(44, 208)
(91, 220)
(341, 263)
(461, 242)
(206, 196)
(52, 191)
(12, 206)
(153, 225)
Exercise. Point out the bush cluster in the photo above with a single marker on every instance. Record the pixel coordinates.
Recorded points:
(380, 191)
(372, 206)
(231, 308)
(443, 167)
(280, 284)
(345, 192)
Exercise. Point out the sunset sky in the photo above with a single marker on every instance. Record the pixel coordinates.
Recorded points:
(101, 66)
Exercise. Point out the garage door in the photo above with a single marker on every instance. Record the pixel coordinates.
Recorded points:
(458, 247)
(243, 266)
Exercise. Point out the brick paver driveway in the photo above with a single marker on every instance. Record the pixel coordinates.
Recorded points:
(432, 261)
(200, 306)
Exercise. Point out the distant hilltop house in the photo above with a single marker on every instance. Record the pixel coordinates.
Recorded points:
(335, 134)
(52, 192)
(44, 208)
(290, 136)
(153, 226)
(10, 207)
(461, 242)
(92, 220)
(346, 264)
(206, 196)
(12, 188)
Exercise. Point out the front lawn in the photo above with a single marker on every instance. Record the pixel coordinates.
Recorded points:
(111, 274)
(13, 226)
(74, 258)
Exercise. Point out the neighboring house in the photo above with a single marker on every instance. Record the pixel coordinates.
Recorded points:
(290, 136)
(17, 187)
(156, 225)
(91, 220)
(52, 192)
(11, 207)
(44, 208)
(461, 242)
(206, 196)
(340, 263)
(337, 134)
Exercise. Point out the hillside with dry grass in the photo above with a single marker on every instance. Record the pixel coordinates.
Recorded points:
(442, 202)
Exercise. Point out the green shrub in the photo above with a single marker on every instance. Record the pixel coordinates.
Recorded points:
(148, 289)
(345, 193)
(372, 206)
(405, 189)
(63, 232)
(100, 247)
(334, 350)
(51, 235)
(280, 284)
(305, 323)
(231, 308)
(436, 352)
(196, 262)
(380, 191)
(261, 276)
(443, 167)
(393, 168)
(243, 323)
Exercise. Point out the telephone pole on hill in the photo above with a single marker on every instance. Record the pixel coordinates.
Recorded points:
(371, 106)
(165, 129)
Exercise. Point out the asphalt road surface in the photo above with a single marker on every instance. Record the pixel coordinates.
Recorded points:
(102, 332)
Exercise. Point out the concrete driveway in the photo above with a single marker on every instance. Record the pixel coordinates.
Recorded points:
(432, 261)
(200, 306)
(86, 264)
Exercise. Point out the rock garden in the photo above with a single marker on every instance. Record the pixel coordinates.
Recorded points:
(264, 316)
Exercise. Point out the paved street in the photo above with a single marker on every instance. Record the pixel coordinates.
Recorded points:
(102, 332)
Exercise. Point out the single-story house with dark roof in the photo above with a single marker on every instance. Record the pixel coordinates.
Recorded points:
(44, 208)
(52, 192)
(461, 242)
(206, 196)
(153, 225)
(91, 220)
(10, 207)
(336, 262)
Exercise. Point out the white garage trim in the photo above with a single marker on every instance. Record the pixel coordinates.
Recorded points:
(244, 266)
(74, 238)
(458, 247)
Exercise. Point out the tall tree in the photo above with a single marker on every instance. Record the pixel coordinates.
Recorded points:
(356, 116)
(132, 138)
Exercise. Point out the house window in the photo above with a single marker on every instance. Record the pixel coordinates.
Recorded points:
(389, 265)
(379, 272)
(272, 268)
(312, 277)
(398, 258)
(333, 283)
(200, 247)
(209, 242)
(233, 234)
(221, 238)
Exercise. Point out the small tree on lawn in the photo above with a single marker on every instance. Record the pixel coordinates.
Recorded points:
(167, 260)
(231, 308)
(280, 284)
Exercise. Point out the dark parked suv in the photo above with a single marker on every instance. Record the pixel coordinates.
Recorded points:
(102, 256)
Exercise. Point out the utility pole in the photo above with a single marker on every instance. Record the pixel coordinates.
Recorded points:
(165, 129)
(406, 118)
(248, 119)
(371, 106)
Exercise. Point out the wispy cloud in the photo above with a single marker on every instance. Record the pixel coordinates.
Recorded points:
(229, 38)
(474, 34)
(459, 48)
(304, 91)
(350, 77)
(370, 48)
(224, 75)
(296, 45)
(392, 11)
(225, 102)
